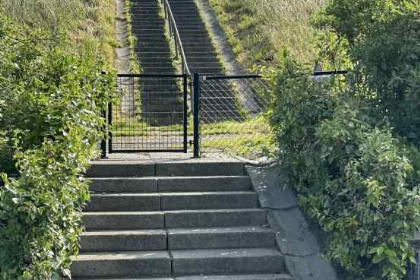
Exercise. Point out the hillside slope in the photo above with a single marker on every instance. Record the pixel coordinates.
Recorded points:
(259, 30)
(88, 24)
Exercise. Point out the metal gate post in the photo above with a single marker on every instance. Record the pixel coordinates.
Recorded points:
(196, 115)
(110, 126)
(103, 142)
(185, 88)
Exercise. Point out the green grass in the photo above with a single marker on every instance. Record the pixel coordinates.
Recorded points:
(250, 138)
(249, 127)
(90, 24)
(260, 30)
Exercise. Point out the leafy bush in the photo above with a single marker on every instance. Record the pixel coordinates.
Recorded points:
(382, 45)
(352, 175)
(50, 118)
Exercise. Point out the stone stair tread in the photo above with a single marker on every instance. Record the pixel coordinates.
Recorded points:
(172, 194)
(225, 253)
(139, 232)
(127, 240)
(210, 277)
(220, 238)
(131, 279)
(218, 230)
(172, 184)
(123, 255)
(238, 277)
(227, 261)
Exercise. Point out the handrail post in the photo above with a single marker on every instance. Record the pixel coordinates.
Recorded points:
(196, 115)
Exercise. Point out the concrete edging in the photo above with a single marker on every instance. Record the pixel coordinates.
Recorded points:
(303, 256)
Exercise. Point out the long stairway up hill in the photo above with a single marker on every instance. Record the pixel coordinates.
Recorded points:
(219, 100)
(160, 97)
(183, 220)
(199, 50)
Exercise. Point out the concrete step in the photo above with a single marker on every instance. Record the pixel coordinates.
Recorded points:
(123, 185)
(174, 219)
(215, 218)
(146, 37)
(171, 201)
(139, 33)
(197, 43)
(152, 48)
(142, 23)
(166, 69)
(190, 27)
(159, 71)
(204, 184)
(122, 264)
(124, 202)
(172, 184)
(192, 35)
(207, 70)
(206, 49)
(124, 220)
(152, 60)
(153, 42)
(203, 59)
(212, 277)
(134, 240)
(194, 65)
(221, 238)
(238, 277)
(151, 53)
(208, 200)
(104, 168)
(227, 261)
(155, 64)
(199, 54)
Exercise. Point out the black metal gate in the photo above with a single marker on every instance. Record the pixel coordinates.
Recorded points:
(150, 116)
(229, 115)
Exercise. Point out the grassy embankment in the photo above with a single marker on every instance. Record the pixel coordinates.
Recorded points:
(90, 25)
(260, 30)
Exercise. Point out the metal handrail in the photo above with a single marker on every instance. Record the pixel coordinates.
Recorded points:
(173, 30)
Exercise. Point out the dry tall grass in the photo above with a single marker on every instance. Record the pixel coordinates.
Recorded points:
(260, 30)
(86, 21)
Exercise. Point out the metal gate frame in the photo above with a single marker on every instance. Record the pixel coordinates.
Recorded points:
(109, 147)
(199, 79)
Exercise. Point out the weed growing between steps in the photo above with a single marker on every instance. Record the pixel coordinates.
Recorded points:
(350, 145)
(51, 98)
(135, 67)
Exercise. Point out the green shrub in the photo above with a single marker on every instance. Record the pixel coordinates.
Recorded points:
(382, 46)
(354, 178)
(50, 116)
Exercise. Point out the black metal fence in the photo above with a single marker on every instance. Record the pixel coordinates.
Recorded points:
(230, 115)
(150, 116)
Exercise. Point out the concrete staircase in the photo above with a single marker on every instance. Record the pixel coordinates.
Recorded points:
(176, 220)
(199, 50)
(160, 97)
(218, 98)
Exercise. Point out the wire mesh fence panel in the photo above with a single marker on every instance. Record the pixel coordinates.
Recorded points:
(150, 115)
(233, 115)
